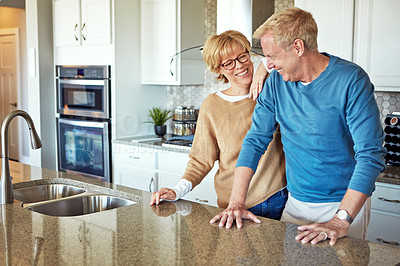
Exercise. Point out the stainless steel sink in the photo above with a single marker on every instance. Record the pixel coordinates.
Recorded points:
(46, 192)
(80, 205)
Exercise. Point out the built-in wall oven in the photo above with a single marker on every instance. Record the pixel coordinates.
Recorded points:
(83, 122)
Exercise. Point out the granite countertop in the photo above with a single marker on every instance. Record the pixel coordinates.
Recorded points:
(169, 234)
(390, 176)
(157, 145)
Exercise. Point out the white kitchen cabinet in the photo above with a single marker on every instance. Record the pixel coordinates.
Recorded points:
(168, 27)
(385, 215)
(150, 169)
(363, 31)
(376, 41)
(139, 178)
(135, 167)
(172, 166)
(335, 25)
(81, 22)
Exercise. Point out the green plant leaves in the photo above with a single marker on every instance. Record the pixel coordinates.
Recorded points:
(159, 115)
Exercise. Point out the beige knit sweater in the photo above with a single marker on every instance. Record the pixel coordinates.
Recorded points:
(221, 128)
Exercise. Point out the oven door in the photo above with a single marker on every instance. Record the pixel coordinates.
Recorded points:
(84, 148)
(83, 97)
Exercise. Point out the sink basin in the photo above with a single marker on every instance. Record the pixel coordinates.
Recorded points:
(80, 205)
(46, 192)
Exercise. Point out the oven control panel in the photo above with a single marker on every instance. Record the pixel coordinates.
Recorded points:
(83, 72)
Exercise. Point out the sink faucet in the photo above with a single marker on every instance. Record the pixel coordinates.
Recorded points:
(6, 189)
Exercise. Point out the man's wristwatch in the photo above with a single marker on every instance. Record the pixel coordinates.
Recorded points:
(344, 215)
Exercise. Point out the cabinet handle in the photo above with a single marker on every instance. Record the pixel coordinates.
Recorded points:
(76, 37)
(393, 243)
(170, 69)
(151, 182)
(388, 200)
(201, 200)
(13, 104)
(83, 35)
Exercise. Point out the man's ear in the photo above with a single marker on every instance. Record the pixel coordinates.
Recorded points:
(298, 46)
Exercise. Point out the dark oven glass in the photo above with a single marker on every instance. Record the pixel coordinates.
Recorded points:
(84, 147)
(87, 98)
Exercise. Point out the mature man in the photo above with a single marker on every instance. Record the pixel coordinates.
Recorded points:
(331, 133)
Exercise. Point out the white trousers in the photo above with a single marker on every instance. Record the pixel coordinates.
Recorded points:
(301, 213)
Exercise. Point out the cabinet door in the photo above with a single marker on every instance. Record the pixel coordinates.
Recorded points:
(131, 155)
(66, 21)
(172, 166)
(173, 162)
(158, 37)
(377, 38)
(384, 228)
(335, 25)
(203, 193)
(139, 178)
(96, 22)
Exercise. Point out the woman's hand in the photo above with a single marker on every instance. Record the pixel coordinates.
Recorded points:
(314, 233)
(163, 193)
(234, 214)
(258, 81)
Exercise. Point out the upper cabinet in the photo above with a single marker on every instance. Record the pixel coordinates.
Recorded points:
(363, 31)
(376, 41)
(82, 22)
(169, 27)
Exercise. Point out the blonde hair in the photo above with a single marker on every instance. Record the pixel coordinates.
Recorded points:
(219, 46)
(288, 25)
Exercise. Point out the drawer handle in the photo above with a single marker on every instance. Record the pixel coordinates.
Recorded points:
(201, 200)
(393, 243)
(388, 200)
(134, 157)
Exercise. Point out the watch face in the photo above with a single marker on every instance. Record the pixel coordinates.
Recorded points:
(342, 214)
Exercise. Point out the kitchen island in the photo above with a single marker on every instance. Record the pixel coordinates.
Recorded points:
(168, 234)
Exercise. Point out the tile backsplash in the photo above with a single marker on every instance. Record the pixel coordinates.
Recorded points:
(388, 102)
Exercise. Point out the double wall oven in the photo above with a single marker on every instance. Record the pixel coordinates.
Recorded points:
(83, 122)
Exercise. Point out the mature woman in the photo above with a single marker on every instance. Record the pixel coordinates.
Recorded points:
(224, 119)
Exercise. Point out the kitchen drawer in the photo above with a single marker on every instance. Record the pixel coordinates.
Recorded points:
(386, 197)
(135, 156)
(384, 227)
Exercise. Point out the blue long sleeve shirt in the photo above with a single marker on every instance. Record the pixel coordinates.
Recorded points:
(331, 132)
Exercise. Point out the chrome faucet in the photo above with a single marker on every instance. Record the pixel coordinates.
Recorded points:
(6, 189)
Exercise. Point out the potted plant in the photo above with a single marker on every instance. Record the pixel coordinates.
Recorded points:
(159, 116)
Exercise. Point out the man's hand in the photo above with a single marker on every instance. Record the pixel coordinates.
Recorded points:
(314, 233)
(234, 214)
(163, 193)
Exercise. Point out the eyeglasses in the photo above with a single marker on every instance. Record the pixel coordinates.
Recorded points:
(230, 64)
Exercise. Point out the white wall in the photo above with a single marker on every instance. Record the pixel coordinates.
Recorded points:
(33, 91)
(47, 90)
(40, 92)
(132, 100)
